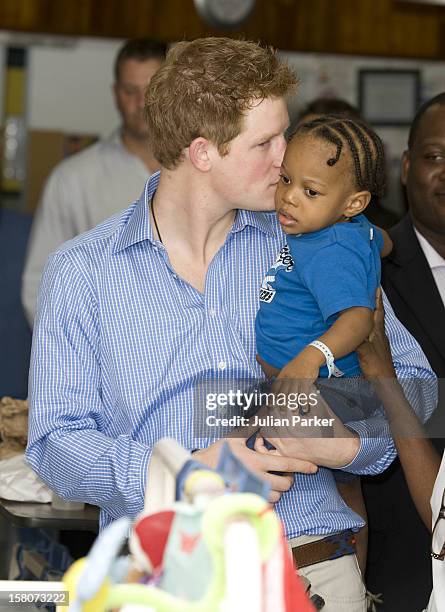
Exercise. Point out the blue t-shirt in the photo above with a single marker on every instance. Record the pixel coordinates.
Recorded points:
(315, 277)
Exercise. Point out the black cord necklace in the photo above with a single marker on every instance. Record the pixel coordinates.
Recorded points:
(156, 223)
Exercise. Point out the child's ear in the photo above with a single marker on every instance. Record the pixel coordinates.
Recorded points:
(357, 203)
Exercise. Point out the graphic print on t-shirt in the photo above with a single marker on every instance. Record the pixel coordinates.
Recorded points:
(284, 260)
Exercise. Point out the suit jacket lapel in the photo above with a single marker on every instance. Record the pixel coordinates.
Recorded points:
(412, 277)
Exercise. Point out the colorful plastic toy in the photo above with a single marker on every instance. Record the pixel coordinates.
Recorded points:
(231, 545)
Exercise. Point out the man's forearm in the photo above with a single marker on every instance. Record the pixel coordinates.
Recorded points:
(419, 459)
(88, 466)
(377, 449)
(402, 418)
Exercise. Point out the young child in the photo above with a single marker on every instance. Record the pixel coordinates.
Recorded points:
(317, 300)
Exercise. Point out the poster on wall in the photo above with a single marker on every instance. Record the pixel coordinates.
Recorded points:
(389, 97)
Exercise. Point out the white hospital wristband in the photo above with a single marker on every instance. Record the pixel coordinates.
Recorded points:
(332, 368)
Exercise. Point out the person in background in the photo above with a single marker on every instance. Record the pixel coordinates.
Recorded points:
(419, 460)
(99, 181)
(414, 273)
(414, 278)
(327, 106)
(376, 213)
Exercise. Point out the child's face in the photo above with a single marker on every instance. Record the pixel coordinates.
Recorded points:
(312, 195)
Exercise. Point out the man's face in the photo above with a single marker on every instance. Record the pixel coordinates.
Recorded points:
(423, 172)
(129, 93)
(247, 176)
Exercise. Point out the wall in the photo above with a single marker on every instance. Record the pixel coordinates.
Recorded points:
(337, 75)
(69, 81)
(2, 63)
(372, 27)
(69, 85)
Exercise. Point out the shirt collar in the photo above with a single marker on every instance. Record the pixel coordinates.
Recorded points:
(260, 220)
(115, 138)
(115, 141)
(432, 256)
(139, 226)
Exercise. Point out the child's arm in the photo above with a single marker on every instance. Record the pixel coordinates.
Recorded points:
(387, 243)
(351, 328)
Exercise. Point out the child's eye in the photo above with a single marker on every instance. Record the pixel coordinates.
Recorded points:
(285, 179)
(264, 144)
(311, 192)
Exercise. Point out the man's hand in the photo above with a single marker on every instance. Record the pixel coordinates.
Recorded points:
(260, 464)
(327, 449)
(323, 439)
(375, 353)
(332, 453)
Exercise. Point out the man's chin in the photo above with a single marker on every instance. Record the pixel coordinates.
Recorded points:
(257, 208)
(267, 205)
(137, 133)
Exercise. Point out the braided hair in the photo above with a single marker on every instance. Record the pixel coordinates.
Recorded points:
(364, 145)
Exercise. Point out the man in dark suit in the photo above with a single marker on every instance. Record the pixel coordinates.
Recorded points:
(413, 276)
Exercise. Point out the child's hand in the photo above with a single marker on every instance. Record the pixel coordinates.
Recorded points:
(260, 447)
(300, 373)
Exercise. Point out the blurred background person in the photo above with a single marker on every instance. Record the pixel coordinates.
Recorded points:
(94, 184)
(327, 106)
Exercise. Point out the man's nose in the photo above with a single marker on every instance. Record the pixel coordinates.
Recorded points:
(141, 98)
(280, 149)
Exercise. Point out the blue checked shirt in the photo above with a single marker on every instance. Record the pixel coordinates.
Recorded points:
(120, 342)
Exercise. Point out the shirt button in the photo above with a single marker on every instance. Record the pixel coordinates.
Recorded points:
(212, 312)
(175, 276)
(222, 365)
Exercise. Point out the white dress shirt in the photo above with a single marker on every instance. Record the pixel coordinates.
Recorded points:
(435, 261)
